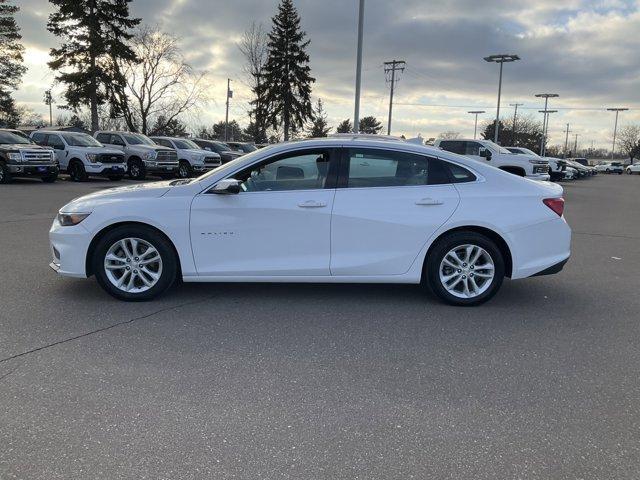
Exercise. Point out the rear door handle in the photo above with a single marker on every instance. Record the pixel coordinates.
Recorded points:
(429, 201)
(312, 204)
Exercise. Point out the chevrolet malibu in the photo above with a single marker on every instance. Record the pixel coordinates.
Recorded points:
(335, 210)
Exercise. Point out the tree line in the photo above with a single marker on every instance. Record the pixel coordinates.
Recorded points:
(118, 73)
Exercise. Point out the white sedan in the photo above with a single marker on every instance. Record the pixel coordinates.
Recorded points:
(335, 210)
(631, 169)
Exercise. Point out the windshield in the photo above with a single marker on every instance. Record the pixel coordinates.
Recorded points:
(221, 147)
(8, 138)
(184, 143)
(247, 147)
(80, 140)
(527, 151)
(137, 139)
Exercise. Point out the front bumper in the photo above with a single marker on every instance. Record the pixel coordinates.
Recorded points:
(163, 168)
(32, 170)
(69, 247)
(106, 169)
(542, 177)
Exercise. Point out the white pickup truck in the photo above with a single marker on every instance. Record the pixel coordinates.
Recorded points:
(557, 166)
(529, 166)
(81, 156)
(192, 159)
(142, 156)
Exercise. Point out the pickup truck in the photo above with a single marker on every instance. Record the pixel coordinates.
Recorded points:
(557, 166)
(192, 159)
(529, 166)
(20, 157)
(81, 156)
(141, 155)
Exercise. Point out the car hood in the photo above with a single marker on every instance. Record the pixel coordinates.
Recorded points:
(105, 150)
(86, 203)
(538, 159)
(21, 146)
(154, 148)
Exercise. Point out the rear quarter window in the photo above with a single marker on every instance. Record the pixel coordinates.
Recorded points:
(460, 174)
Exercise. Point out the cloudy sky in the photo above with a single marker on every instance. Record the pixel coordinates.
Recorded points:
(587, 51)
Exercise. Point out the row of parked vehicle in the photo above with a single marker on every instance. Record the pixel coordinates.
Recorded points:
(519, 160)
(112, 154)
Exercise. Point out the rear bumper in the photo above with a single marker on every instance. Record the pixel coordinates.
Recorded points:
(553, 269)
(540, 247)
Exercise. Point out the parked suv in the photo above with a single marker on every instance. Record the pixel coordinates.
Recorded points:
(141, 155)
(191, 158)
(80, 155)
(222, 149)
(557, 166)
(20, 157)
(486, 151)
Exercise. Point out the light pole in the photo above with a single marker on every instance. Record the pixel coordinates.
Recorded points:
(543, 151)
(475, 128)
(543, 140)
(226, 116)
(575, 144)
(501, 59)
(615, 128)
(356, 114)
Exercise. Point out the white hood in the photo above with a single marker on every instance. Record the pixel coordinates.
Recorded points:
(142, 190)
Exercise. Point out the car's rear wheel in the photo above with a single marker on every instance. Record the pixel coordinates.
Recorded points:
(465, 268)
(135, 263)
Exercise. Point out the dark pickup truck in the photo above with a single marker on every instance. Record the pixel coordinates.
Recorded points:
(20, 157)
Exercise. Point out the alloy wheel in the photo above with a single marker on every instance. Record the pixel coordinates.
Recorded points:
(467, 271)
(133, 265)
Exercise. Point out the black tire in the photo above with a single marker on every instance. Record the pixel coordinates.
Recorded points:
(136, 169)
(5, 174)
(76, 171)
(185, 170)
(164, 247)
(449, 242)
(50, 178)
(115, 178)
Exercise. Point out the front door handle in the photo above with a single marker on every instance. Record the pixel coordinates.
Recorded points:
(312, 204)
(429, 201)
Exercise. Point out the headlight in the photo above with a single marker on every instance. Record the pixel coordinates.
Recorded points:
(15, 156)
(92, 157)
(70, 219)
(539, 162)
(149, 155)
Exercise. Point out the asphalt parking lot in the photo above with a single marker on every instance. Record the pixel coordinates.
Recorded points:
(323, 381)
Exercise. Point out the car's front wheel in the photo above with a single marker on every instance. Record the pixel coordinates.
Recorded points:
(465, 268)
(135, 263)
(184, 170)
(137, 170)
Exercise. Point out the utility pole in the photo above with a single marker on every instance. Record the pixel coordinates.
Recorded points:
(501, 59)
(575, 144)
(566, 140)
(356, 114)
(543, 140)
(515, 116)
(475, 128)
(226, 117)
(48, 100)
(392, 66)
(615, 128)
(543, 149)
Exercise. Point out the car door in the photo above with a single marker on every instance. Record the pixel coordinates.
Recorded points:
(387, 206)
(277, 225)
(55, 141)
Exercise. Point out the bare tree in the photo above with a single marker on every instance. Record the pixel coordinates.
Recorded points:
(253, 46)
(160, 84)
(629, 140)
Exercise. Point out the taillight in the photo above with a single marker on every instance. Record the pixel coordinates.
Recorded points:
(555, 204)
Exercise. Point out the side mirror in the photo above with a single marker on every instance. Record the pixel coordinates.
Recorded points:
(486, 153)
(228, 186)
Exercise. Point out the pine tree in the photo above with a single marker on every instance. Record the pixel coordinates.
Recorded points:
(287, 75)
(370, 125)
(318, 126)
(95, 33)
(11, 63)
(345, 126)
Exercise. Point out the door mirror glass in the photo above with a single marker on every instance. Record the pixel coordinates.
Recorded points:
(228, 186)
(485, 153)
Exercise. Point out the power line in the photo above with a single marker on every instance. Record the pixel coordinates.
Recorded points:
(392, 67)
